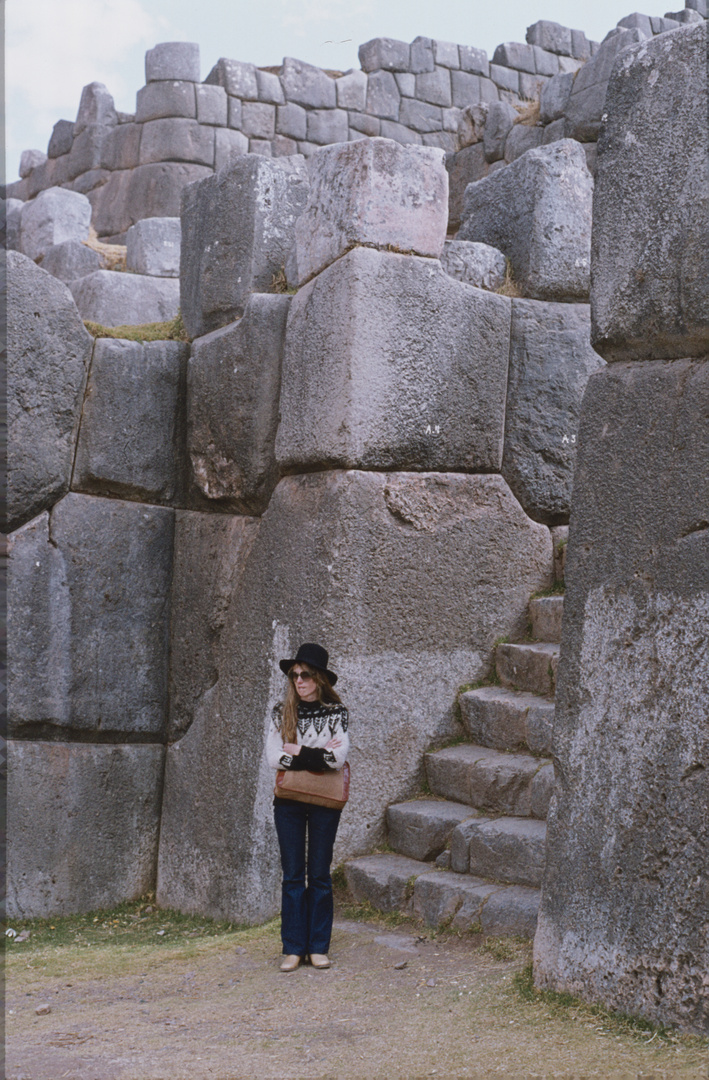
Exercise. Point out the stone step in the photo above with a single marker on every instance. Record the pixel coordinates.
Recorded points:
(421, 829)
(518, 785)
(528, 667)
(508, 849)
(545, 613)
(439, 897)
(508, 719)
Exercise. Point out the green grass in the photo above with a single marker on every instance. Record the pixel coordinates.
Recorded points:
(157, 331)
(136, 922)
(557, 589)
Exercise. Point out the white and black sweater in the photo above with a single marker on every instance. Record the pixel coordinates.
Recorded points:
(317, 725)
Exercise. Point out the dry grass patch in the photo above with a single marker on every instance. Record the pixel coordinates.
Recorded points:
(113, 255)
(157, 331)
(529, 113)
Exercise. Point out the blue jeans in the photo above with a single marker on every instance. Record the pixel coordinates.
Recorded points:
(306, 911)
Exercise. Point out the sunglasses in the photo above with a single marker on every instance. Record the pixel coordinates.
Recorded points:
(306, 676)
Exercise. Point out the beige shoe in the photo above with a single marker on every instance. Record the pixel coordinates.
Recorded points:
(290, 963)
(319, 960)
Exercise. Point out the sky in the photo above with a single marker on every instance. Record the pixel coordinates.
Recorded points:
(55, 47)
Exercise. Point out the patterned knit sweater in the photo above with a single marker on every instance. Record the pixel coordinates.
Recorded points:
(317, 724)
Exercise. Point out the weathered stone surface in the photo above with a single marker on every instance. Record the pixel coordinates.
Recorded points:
(398, 535)
(588, 94)
(551, 36)
(233, 387)
(372, 192)
(420, 116)
(48, 359)
(111, 298)
(384, 880)
(509, 849)
(528, 667)
(399, 133)
(172, 60)
(148, 191)
(522, 138)
(624, 905)
(71, 260)
(121, 147)
(210, 554)
(238, 227)
(421, 829)
(436, 351)
(554, 97)
(516, 55)
(464, 167)
(161, 99)
(499, 120)
(291, 120)
(435, 87)
(511, 910)
(383, 98)
(454, 899)
(228, 145)
(238, 79)
(472, 59)
(474, 264)
(385, 53)
(551, 360)
(538, 212)
(29, 160)
(83, 826)
(96, 107)
(86, 154)
(54, 216)
(177, 140)
(352, 90)
(308, 85)
(269, 87)
(484, 778)
(546, 613)
(132, 427)
(12, 214)
(327, 126)
(651, 237)
(211, 105)
(507, 719)
(258, 119)
(61, 138)
(507, 80)
(153, 247)
(88, 610)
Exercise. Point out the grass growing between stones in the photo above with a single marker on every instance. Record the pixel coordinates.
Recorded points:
(174, 330)
(557, 589)
(399, 1002)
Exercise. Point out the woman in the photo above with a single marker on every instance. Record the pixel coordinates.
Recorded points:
(308, 731)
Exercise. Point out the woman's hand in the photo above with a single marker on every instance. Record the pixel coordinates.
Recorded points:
(291, 748)
(333, 744)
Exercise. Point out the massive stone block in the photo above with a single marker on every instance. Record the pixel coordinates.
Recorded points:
(210, 554)
(48, 360)
(112, 298)
(233, 389)
(537, 210)
(650, 256)
(588, 94)
(391, 364)
(83, 825)
(147, 191)
(54, 216)
(153, 247)
(162, 99)
(132, 428)
(237, 229)
(95, 107)
(377, 567)
(120, 148)
(88, 610)
(376, 193)
(71, 260)
(172, 60)
(624, 907)
(551, 360)
(177, 139)
(474, 264)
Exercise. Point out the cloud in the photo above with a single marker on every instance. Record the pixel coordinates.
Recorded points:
(307, 17)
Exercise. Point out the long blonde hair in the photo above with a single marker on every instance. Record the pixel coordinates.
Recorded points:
(326, 696)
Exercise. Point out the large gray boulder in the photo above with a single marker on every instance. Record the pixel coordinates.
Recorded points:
(71, 260)
(114, 298)
(153, 247)
(585, 107)
(340, 556)
(391, 364)
(233, 385)
(88, 608)
(147, 191)
(95, 107)
(551, 360)
(83, 825)
(537, 210)
(624, 905)
(131, 443)
(651, 214)
(474, 264)
(49, 352)
(56, 215)
(373, 192)
(172, 60)
(237, 229)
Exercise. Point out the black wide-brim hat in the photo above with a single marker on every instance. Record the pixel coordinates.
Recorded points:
(312, 655)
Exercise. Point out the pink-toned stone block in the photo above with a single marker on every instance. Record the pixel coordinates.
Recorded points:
(372, 193)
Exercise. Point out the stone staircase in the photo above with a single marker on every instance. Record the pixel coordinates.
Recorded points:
(472, 857)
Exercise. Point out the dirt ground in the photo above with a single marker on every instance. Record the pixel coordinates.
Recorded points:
(397, 1003)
